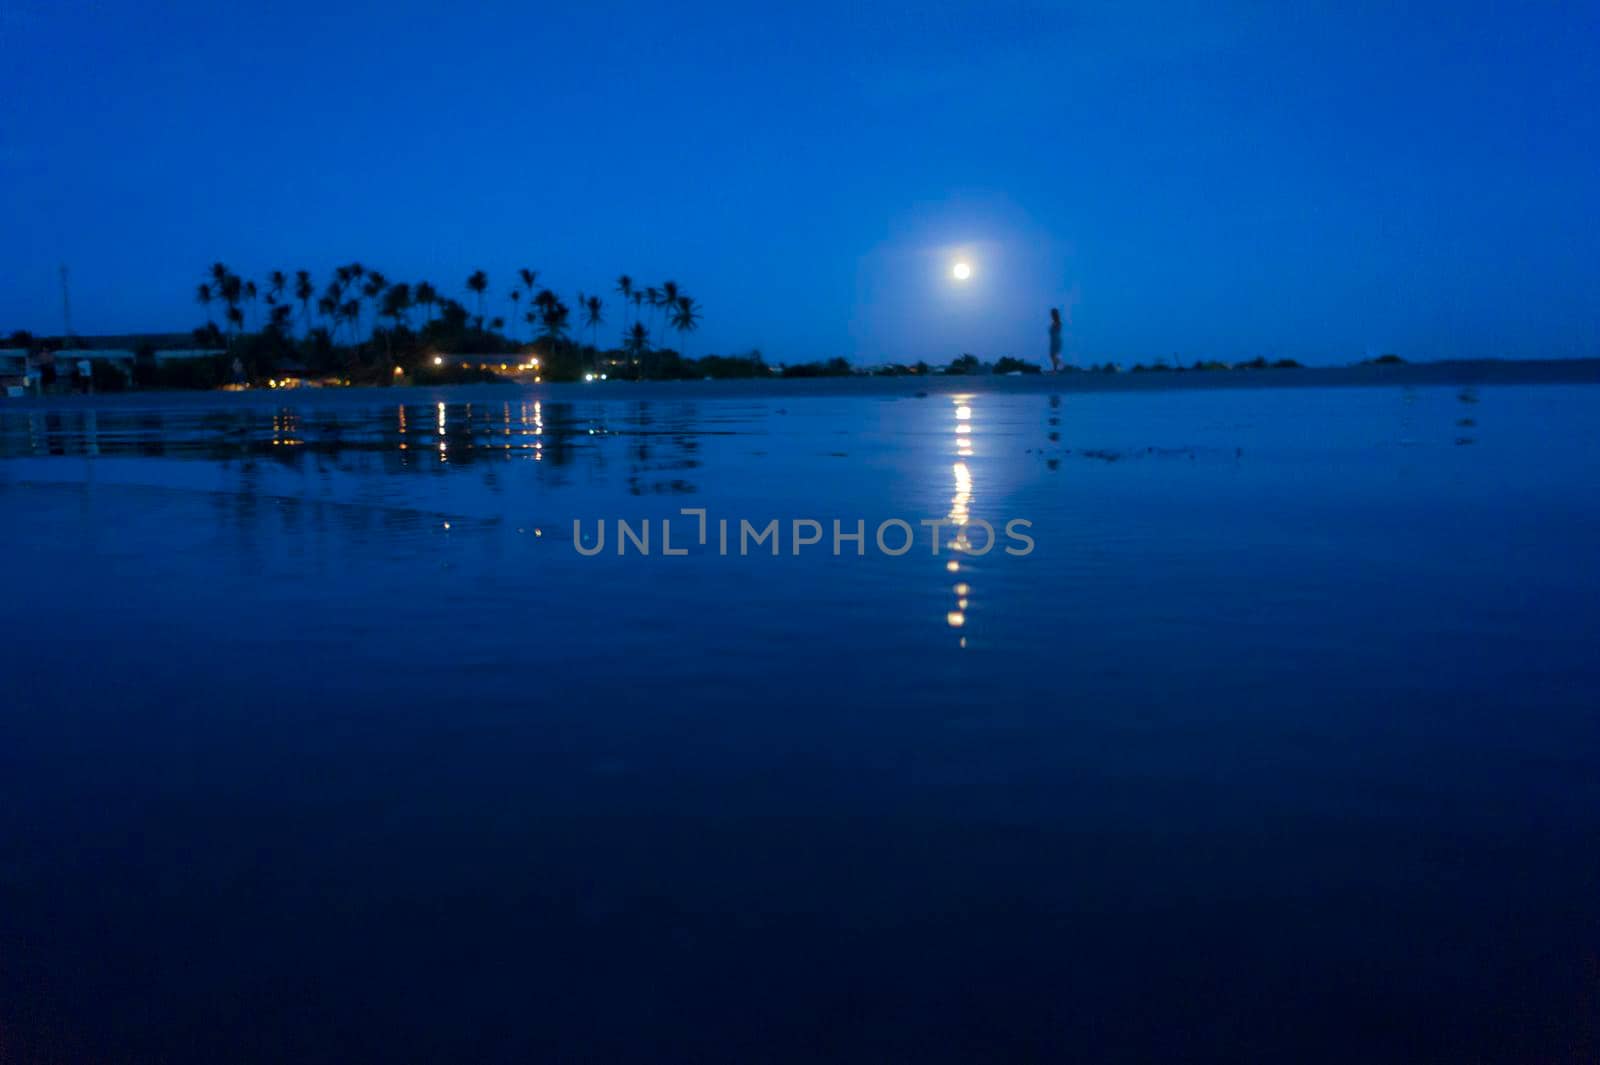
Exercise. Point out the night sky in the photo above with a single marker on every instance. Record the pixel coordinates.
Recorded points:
(1316, 181)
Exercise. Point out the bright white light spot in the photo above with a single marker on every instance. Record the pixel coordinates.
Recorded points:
(438, 360)
(962, 271)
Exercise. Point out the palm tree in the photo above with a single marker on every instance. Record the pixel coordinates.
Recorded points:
(276, 282)
(593, 320)
(669, 305)
(328, 307)
(202, 296)
(625, 288)
(250, 293)
(652, 296)
(231, 289)
(373, 288)
(426, 296)
(529, 278)
(685, 319)
(396, 302)
(636, 341)
(478, 283)
(553, 315)
(350, 311)
(303, 291)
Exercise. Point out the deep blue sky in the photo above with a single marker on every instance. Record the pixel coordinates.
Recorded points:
(1317, 181)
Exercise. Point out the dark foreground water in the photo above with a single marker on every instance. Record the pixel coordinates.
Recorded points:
(321, 742)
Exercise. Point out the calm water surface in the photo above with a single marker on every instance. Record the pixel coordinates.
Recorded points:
(320, 741)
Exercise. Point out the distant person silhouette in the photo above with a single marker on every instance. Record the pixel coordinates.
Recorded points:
(1055, 340)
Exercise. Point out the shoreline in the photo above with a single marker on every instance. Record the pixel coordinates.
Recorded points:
(1452, 373)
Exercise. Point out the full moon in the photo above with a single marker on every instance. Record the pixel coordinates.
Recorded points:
(962, 271)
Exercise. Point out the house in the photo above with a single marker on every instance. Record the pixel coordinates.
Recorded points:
(14, 371)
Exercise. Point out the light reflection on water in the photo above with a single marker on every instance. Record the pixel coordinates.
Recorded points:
(332, 660)
(959, 505)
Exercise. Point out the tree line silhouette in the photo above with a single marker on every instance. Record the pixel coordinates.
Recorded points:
(363, 325)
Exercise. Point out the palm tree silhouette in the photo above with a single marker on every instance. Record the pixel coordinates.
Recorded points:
(425, 297)
(328, 308)
(202, 296)
(528, 278)
(227, 286)
(669, 305)
(276, 282)
(652, 296)
(350, 311)
(478, 283)
(685, 318)
(625, 288)
(250, 293)
(636, 341)
(303, 291)
(396, 302)
(553, 315)
(592, 307)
